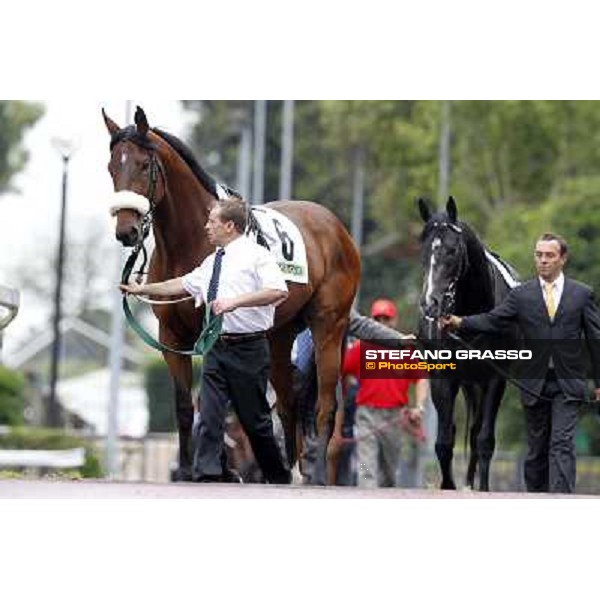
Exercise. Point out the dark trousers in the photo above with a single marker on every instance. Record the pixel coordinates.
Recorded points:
(237, 372)
(551, 423)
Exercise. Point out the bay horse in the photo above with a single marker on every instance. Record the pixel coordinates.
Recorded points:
(157, 165)
(461, 277)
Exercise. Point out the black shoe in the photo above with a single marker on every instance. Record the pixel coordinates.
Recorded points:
(284, 479)
(209, 479)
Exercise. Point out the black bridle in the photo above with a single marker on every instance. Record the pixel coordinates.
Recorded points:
(449, 295)
(146, 222)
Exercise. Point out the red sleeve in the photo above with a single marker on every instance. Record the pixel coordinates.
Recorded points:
(351, 364)
(417, 375)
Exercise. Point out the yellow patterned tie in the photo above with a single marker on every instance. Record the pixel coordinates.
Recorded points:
(550, 300)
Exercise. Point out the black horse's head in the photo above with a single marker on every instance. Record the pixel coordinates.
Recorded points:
(445, 261)
(137, 177)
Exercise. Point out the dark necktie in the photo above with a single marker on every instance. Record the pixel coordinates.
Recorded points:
(213, 286)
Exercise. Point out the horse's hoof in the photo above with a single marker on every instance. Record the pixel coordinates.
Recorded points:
(232, 476)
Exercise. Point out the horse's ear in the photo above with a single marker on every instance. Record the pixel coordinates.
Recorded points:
(141, 122)
(451, 209)
(424, 209)
(110, 124)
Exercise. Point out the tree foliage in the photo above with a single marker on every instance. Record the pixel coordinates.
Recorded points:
(12, 397)
(159, 389)
(15, 118)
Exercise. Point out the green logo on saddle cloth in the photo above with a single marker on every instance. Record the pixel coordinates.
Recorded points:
(291, 269)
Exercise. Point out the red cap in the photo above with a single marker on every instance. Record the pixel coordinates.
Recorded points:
(383, 308)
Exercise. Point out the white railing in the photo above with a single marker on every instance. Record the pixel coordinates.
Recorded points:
(54, 459)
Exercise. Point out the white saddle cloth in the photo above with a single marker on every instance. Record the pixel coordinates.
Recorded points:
(285, 241)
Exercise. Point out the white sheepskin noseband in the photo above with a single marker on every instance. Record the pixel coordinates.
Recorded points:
(131, 200)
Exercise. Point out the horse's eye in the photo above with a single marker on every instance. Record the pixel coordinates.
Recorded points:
(145, 166)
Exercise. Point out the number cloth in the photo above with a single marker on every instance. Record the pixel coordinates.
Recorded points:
(285, 242)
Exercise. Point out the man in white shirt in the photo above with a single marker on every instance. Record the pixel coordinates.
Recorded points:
(243, 282)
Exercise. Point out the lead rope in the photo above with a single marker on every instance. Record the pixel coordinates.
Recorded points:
(503, 373)
(206, 340)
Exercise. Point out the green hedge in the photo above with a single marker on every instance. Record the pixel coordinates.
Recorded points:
(12, 397)
(159, 389)
(34, 438)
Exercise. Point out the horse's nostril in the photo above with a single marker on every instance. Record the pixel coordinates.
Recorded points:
(127, 238)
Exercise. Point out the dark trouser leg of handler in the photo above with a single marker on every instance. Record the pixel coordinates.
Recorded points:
(208, 436)
(562, 446)
(538, 418)
(246, 368)
(550, 463)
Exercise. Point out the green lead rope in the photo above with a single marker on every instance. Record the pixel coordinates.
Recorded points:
(208, 336)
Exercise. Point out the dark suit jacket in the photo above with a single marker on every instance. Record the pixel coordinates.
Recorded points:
(576, 315)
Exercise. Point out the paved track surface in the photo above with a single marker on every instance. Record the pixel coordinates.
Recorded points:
(94, 490)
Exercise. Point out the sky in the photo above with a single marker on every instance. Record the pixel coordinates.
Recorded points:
(30, 218)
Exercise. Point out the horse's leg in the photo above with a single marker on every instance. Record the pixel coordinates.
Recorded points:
(281, 379)
(486, 440)
(443, 395)
(472, 395)
(328, 334)
(180, 369)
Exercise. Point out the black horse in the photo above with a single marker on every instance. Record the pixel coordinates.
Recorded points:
(461, 277)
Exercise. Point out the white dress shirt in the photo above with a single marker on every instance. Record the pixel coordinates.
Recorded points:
(246, 268)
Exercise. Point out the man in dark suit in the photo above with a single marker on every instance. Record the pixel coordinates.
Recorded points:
(549, 307)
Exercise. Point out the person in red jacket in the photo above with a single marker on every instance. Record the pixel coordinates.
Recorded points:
(379, 409)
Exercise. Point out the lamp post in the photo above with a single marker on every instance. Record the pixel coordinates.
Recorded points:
(260, 128)
(65, 149)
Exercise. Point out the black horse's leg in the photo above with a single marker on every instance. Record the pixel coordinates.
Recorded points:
(486, 442)
(473, 395)
(443, 394)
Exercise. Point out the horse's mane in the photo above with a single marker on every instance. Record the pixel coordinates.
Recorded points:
(130, 133)
(509, 268)
(206, 180)
(476, 247)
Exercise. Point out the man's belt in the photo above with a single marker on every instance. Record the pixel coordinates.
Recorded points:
(237, 338)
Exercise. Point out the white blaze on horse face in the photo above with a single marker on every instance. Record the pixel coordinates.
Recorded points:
(123, 158)
(437, 242)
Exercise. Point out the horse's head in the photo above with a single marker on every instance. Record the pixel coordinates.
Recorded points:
(444, 258)
(137, 176)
